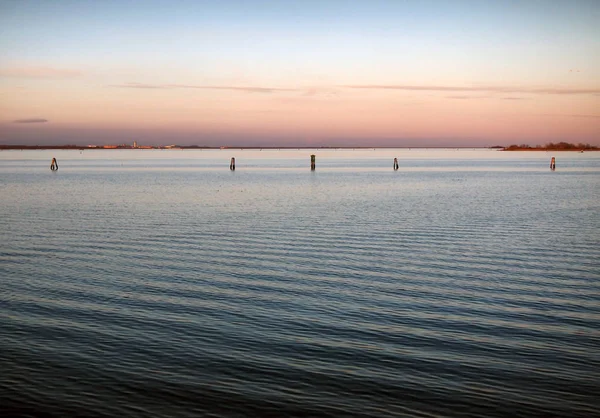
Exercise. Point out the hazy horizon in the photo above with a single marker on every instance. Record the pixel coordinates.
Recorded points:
(300, 73)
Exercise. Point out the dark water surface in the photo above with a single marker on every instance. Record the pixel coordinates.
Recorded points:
(159, 283)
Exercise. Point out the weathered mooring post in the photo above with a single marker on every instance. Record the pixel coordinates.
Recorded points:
(54, 165)
(232, 164)
(395, 164)
(553, 164)
(312, 162)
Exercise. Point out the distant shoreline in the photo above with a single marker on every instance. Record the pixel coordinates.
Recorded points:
(553, 149)
(195, 147)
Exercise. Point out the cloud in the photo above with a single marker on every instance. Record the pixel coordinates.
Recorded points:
(585, 116)
(39, 72)
(234, 88)
(141, 86)
(320, 91)
(567, 115)
(250, 89)
(514, 98)
(31, 120)
(491, 89)
(463, 97)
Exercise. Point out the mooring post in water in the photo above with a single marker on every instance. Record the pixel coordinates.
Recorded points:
(395, 164)
(54, 165)
(232, 164)
(312, 161)
(553, 164)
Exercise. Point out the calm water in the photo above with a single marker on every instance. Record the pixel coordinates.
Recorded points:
(159, 283)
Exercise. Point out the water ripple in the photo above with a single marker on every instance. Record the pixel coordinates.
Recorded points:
(176, 291)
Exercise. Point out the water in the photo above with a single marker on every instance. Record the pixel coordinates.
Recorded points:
(159, 283)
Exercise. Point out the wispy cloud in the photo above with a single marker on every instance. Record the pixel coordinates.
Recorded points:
(31, 120)
(459, 97)
(514, 98)
(491, 89)
(39, 72)
(234, 88)
(567, 115)
(585, 116)
(247, 89)
(321, 91)
(139, 86)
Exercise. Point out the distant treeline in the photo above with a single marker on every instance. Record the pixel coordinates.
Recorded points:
(560, 146)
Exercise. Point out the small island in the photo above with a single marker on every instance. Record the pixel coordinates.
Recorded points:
(561, 146)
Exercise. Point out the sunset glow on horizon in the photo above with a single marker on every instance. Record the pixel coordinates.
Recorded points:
(305, 73)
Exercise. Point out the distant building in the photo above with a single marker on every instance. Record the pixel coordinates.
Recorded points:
(135, 144)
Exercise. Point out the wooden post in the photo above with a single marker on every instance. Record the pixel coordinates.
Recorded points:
(553, 164)
(395, 164)
(312, 162)
(54, 165)
(232, 164)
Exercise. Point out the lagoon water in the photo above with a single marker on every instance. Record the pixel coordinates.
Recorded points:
(159, 283)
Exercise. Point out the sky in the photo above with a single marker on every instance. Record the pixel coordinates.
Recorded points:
(300, 73)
